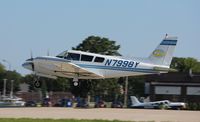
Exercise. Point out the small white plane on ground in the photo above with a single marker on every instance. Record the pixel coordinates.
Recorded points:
(84, 65)
(156, 104)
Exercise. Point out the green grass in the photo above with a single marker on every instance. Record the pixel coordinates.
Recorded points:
(55, 120)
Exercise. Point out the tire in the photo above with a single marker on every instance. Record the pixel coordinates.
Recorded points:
(37, 84)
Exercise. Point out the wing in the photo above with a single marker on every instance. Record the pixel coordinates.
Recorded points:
(71, 69)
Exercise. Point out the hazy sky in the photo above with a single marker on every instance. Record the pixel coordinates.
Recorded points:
(57, 25)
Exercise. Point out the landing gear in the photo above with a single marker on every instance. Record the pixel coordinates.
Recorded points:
(75, 83)
(37, 83)
(75, 80)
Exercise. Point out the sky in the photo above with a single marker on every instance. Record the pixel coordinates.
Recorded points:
(58, 25)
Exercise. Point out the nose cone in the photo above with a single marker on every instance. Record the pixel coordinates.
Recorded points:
(27, 65)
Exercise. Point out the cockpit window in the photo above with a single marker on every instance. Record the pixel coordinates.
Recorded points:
(72, 56)
(86, 58)
(166, 102)
(62, 55)
(99, 59)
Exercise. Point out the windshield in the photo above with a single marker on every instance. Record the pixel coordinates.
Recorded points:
(69, 56)
(62, 55)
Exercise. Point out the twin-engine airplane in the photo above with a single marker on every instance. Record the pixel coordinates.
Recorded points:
(85, 65)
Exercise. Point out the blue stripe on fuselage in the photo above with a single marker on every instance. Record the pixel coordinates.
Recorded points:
(117, 68)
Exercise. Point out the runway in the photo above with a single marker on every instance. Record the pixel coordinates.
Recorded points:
(102, 113)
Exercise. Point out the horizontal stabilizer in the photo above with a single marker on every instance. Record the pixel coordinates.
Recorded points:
(163, 69)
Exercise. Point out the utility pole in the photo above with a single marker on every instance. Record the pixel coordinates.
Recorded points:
(4, 87)
(11, 90)
(126, 91)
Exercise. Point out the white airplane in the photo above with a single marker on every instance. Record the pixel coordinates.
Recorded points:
(85, 65)
(157, 104)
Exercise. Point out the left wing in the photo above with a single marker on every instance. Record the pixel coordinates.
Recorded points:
(72, 69)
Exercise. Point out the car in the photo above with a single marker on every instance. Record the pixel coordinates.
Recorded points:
(116, 104)
(46, 102)
(31, 104)
(82, 103)
(100, 104)
(64, 103)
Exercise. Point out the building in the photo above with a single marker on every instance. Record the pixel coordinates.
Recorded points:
(174, 86)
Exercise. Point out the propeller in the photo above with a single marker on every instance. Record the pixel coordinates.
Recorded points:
(48, 52)
(31, 55)
(31, 59)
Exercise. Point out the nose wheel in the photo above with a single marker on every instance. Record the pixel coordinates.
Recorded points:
(37, 83)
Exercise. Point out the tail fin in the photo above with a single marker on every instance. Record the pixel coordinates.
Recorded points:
(134, 100)
(162, 55)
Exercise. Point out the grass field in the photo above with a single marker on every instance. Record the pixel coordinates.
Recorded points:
(55, 120)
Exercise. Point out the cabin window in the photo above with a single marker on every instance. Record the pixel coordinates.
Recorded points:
(73, 56)
(99, 59)
(86, 58)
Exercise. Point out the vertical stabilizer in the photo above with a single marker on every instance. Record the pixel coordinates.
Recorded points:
(163, 54)
(134, 100)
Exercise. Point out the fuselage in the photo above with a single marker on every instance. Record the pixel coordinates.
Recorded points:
(159, 104)
(156, 104)
(103, 65)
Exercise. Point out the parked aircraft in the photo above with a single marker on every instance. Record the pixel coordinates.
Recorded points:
(156, 104)
(84, 65)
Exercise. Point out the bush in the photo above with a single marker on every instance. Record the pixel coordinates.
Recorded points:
(193, 106)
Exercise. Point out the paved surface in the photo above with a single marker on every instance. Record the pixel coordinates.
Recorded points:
(102, 113)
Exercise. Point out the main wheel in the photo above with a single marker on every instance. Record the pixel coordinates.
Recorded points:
(75, 83)
(37, 84)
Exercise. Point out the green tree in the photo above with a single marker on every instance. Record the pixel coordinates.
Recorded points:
(96, 44)
(60, 84)
(2, 72)
(136, 86)
(82, 89)
(2, 69)
(100, 45)
(11, 75)
(28, 79)
(107, 89)
(185, 64)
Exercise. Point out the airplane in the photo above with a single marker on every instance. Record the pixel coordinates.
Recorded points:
(84, 65)
(135, 103)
